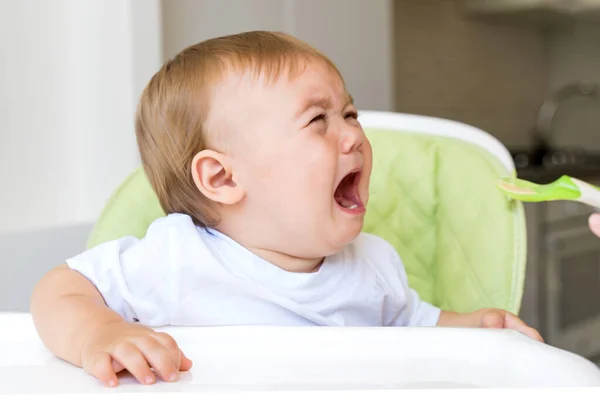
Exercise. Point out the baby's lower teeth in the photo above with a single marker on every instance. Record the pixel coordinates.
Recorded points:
(353, 206)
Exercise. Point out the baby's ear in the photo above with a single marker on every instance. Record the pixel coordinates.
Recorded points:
(212, 174)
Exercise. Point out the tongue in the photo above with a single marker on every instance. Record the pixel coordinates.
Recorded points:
(345, 202)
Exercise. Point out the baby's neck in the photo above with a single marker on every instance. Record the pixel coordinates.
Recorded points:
(287, 262)
(280, 259)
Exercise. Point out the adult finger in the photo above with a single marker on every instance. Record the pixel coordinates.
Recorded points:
(594, 222)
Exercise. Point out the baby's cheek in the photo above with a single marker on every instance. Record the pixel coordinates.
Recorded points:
(263, 170)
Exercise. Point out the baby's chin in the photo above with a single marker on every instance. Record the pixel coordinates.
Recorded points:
(348, 234)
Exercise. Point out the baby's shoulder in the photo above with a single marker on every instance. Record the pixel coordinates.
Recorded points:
(174, 226)
(171, 222)
(374, 252)
(170, 233)
(373, 247)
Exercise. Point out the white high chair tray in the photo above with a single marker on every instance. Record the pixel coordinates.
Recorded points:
(320, 359)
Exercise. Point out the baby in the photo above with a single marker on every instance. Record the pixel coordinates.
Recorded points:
(252, 144)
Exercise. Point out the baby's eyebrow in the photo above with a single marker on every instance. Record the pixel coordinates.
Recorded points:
(322, 102)
(350, 99)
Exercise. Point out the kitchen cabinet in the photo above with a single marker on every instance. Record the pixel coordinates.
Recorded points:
(573, 296)
(534, 13)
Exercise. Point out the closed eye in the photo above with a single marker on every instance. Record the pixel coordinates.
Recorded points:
(351, 114)
(318, 118)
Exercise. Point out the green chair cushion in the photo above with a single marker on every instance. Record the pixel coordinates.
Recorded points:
(433, 198)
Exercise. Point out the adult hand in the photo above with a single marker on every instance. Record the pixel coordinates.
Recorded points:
(594, 223)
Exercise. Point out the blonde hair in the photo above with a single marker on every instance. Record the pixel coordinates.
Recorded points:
(173, 109)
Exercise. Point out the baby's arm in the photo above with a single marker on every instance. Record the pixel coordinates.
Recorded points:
(416, 312)
(75, 324)
(66, 309)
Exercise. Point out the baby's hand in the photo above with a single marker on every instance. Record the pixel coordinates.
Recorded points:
(489, 318)
(136, 348)
(500, 319)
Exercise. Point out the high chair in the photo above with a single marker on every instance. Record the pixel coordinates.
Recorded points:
(433, 197)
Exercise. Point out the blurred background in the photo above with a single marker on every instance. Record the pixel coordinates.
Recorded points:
(526, 71)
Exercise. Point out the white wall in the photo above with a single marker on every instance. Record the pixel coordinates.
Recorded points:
(35, 131)
(27, 256)
(70, 75)
(186, 22)
(70, 78)
(355, 34)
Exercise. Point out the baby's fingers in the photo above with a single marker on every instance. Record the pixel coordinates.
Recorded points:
(515, 323)
(493, 319)
(160, 358)
(132, 359)
(532, 333)
(101, 367)
(186, 363)
(182, 363)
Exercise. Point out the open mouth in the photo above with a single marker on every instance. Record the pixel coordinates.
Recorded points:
(346, 194)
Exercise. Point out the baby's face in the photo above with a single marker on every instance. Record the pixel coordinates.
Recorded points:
(302, 159)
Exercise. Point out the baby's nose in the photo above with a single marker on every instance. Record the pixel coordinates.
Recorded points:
(351, 140)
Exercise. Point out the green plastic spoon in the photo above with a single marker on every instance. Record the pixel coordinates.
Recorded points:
(564, 188)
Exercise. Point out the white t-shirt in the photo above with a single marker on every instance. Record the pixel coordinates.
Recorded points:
(181, 274)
